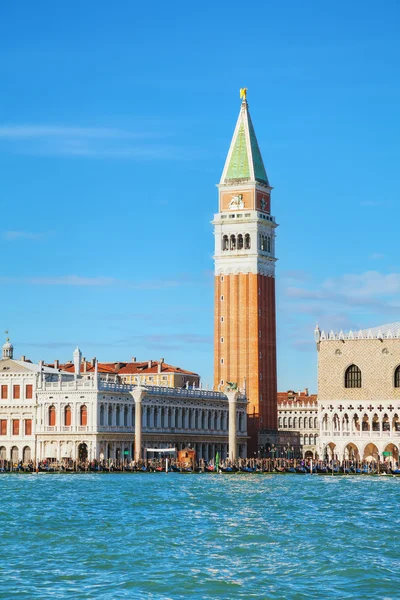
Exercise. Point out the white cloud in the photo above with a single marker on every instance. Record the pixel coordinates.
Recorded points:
(25, 235)
(370, 283)
(90, 142)
(377, 256)
(100, 281)
(17, 132)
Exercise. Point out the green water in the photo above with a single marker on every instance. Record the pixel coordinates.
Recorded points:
(143, 536)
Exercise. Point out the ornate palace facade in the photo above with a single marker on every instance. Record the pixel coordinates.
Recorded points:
(359, 393)
(46, 413)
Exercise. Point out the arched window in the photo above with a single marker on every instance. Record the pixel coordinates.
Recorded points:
(52, 416)
(126, 416)
(280, 422)
(295, 423)
(225, 242)
(284, 422)
(233, 242)
(268, 244)
(110, 419)
(240, 242)
(315, 422)
(83, 415)
(352, 377)
(247, 243)
(310, 422)
(101, 415)
(67, 416)
(397, 377)
(290, 422)
(117, 416)
(300, 422)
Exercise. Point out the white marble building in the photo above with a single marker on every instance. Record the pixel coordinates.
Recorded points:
(298, 424)
(49, 414)
(359, 393)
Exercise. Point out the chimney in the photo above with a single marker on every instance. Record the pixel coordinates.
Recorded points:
(149, 364)
(84, 365)
(56, 364)
(23, 358)
(93, 361)
(306, 391)
(159, 367)
(133, 359)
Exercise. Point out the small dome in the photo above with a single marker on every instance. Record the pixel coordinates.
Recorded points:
(8, 349)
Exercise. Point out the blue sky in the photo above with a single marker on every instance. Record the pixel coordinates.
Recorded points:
(115, 121)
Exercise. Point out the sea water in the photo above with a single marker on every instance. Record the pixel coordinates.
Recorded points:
(112, 536)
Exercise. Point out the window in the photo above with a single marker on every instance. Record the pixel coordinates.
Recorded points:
(247, 241)
(28, 426)
(67, 416)
(240, 242)
(3, 427)
(352, 377)
(83, 415)
(225, 243)
(16, 392)
(222, 340)
(222, 298)
(164, 377)
(28, 392)
(222, 278)
(52, 416)
(15, 426)
(222, 319)
(4, 392)
(396, 378)
(222, 361)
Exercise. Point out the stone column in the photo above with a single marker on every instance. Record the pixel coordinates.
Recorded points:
(138, 394)
(232, 399)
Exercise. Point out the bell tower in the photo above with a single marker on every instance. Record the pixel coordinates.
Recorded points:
(244, 313)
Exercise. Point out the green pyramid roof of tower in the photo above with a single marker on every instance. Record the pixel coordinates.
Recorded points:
(244, 161)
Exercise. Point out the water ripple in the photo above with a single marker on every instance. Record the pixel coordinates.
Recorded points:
(175, 536)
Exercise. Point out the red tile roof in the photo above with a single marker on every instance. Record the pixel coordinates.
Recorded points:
(130, 368)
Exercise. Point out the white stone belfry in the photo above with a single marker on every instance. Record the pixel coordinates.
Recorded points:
(8, 349)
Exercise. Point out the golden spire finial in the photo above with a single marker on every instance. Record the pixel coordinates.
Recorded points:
(243, 93)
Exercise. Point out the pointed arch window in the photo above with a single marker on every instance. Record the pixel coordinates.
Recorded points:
(397, 377)
(352, 377)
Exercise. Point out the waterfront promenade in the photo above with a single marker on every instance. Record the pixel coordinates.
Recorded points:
(248, 466)
(159, 536)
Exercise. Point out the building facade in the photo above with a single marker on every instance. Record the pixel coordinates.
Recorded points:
(50, 414)
(298, 423)
(359, 393)
(244, 315)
